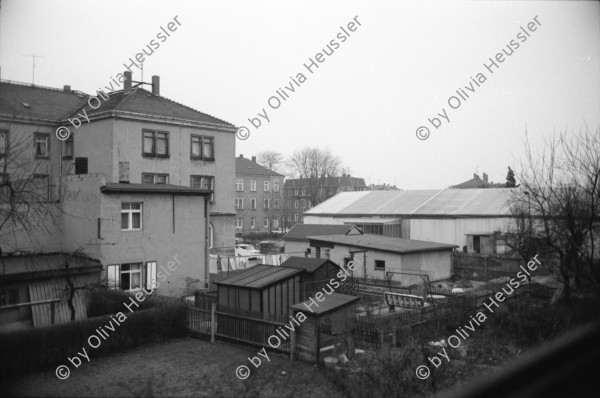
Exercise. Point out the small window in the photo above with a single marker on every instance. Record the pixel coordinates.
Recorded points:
(276, 203)
(380, 265)
(204, 182)
(266, 186)
(3, 143)
(239, 203)
(295, 204)
(266, 222)
(296, 193)
(131, 216)
(253, 203)
(253, 222)
(276, 186)
(275, 223)
(327, 253)
(252, 185)
(131, 276)
(40, 143)
(153, 178)
(202, 148)
(156, 143)
(302, 203)
(238, 223)
(266, 203)
(239, 185)
(289, 218)
(303, 191)
(9, 296)
(296, 217)
(69, 147)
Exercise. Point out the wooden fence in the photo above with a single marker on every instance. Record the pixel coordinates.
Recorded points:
(350, 286)
(237, 325)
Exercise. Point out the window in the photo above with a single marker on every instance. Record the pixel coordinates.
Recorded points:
(69, 147)
(288, 204)
(239, 185)
(266, 186)
(40, 144)
(275, 223)
(266, 222)
(3, 143)
(302, 203)
(253, 203)
(239, 203)
(380, 265)
(296, 217)
(9, 296)
(253, 222)
(276, 203)
(309, 204)
(156, 144)
(303, 191)
(289, 217)
(238, 223)
(131, 216)
(296, 192)
(276, 186)
(327, 253)
(153, 178)
(266, 203)
(131, 276)
(204, 182)
(202, 148)
(253, 185)
(295, 204)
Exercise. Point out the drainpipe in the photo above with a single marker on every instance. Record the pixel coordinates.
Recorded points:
(206, 249)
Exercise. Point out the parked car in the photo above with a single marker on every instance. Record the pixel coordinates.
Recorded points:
(246, 250)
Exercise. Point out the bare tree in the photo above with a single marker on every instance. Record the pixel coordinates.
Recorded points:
(272, 160)
(314, 165)
(562, 182)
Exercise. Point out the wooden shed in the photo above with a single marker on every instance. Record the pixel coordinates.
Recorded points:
(328, 322)
(263, 288)
(316, 269)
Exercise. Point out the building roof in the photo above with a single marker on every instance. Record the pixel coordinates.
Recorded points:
(418, 203)
(383, 243)
(142, 102)
(153, 188)
(310, 265)
(331, 303)
(39, 266)
(303, 231)
(260, 276)
(245, 166)
(49, 105)
(477, 182)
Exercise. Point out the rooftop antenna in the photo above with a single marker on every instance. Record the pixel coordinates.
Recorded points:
(33, 57)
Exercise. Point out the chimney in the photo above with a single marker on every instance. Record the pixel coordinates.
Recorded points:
(156, 85)
(127, 85)
(67, 88)
(475, 176)
(241, 156)
(254, 159)
(485, 177)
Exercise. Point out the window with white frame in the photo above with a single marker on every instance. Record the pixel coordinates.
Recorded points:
(296, 217)
(69, 147)
(266, 203)
(252, 222)
(302, 203)
(253, 203)
(132, 276)
(289, 218)
(276, 186)
(155, 144)
(275, 223)
(40, 144)
(238, 223)
(239, 185)
(252, 185)
(239, 203)
(131, 216)
(4, 143)
(266, 222)
(155, 178)
(295, 204)
(204, 182)
(276, 203)
(266, 186)
(296, 192)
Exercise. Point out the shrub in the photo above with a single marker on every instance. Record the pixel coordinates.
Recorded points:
(105, 302)
(39, 348)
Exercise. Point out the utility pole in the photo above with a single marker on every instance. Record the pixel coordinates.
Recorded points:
(33, 57)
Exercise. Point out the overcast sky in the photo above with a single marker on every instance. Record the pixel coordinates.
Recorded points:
(366, 100)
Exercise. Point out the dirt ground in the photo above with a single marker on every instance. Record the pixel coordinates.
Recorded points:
(181, 367)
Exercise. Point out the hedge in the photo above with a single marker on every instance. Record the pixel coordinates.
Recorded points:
(36, 349)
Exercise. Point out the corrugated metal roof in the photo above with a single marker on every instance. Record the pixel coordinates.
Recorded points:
(260, 276)
(385, 243)
(446, 202)
(331, 302)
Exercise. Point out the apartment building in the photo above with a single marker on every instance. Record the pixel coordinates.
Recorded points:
(144, 188)
(258, 197)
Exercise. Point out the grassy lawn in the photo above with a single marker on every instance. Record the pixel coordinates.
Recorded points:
(180, 367)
